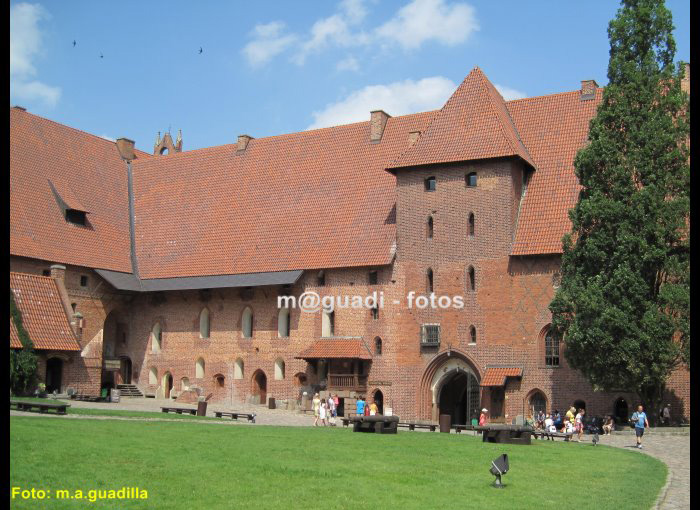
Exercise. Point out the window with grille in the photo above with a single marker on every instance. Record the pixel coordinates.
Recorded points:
(430, 334)
(551, 346)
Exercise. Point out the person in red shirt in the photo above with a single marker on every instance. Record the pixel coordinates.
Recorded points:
(483, 418)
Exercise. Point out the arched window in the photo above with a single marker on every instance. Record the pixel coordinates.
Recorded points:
(219, 381)
(551, 348)
(238, 369)
(247, 323)
(199, 368)
(283, 322)
(204, 323)
(321, 278)
(156, 338)
(472, 334)
(472, 278)
(153, 376)
(470, 179)
(538, 402)
(184, 384)
(374, 311)
(378, 346)
(430, 184)
(279, 369)
(429, 232)
(328, 323)
(429, 275)
(471, 224)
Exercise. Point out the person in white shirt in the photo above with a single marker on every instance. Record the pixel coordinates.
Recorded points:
(323, 411)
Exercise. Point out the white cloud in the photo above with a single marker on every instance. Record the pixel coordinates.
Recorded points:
(354, 10)
(508, 93)
(268, 41)
(348, 64)
(425, 20)
(398, 98)
(25, 46)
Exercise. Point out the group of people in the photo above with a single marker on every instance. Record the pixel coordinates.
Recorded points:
(571, 423)
(326, 410)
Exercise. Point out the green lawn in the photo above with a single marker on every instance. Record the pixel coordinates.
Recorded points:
(189, 465)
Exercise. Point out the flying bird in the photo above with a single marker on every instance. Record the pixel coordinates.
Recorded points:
(200, 50)
(73, 43)
(101, 55)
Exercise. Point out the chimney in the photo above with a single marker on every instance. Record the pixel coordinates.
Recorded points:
(58, 272)
(243, 142)
(588, 88)
(685, 82)
(412, 137)
(376, 126)
(77, 324)
(125, 148)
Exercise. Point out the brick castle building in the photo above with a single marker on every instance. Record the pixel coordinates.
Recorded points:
(168, 267)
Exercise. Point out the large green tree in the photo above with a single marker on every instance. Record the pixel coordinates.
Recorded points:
(623, 303)
(23, 362)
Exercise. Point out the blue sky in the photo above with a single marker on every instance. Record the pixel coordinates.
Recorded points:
(276, 67)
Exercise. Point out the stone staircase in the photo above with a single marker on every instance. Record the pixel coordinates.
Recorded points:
(129, 390)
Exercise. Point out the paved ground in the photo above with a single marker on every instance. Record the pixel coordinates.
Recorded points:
(670, 445)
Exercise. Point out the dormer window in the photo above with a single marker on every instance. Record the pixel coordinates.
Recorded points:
(430, 184)
(76, 217)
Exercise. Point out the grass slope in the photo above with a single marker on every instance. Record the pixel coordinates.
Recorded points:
(187, 465)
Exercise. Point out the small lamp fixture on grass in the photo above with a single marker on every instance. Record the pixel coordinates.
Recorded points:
(499, 467)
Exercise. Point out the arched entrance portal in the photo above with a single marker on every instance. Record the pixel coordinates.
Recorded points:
(621, 410)
(54, 374)
(167, 384)
(439, 373)
(378, 398)
(459, 397)
(260, 386)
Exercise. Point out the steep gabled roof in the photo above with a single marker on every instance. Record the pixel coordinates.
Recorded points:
(88, 174)
(309, 200)
(43, 314)
(473, 124)
(553, 128)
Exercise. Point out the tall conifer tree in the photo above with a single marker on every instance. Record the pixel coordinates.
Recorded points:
(623, 303)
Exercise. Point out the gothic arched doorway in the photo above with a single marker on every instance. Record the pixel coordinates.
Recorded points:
(621, 410)
(167, 384)
(54, 374)
(459, 397)
(378, 398)
(125, 370)
(260, 386)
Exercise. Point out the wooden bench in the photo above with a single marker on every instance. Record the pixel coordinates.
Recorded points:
(507, 434)
(541, 434)
(42, 407)
(87, 398)
(415, 425)
(179, 410)
(235, 415)
(460, 428)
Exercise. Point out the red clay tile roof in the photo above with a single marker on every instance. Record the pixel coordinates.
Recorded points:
(315, 199)
(553, 129)
(88, 173)
(473, 124)
(334, 348)
(43, 315)
(15, 342)
(496, 376)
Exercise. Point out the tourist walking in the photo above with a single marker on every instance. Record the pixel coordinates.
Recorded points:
(666, 415)
(640, 423)
(579, 424)
(373, 409)
(571, 414)
(316, 404)
(331, 411)
(323, 412)
(360, 406)
(483, 418)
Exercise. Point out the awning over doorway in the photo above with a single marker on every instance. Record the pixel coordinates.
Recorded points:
(336, 348)
(496, 376)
